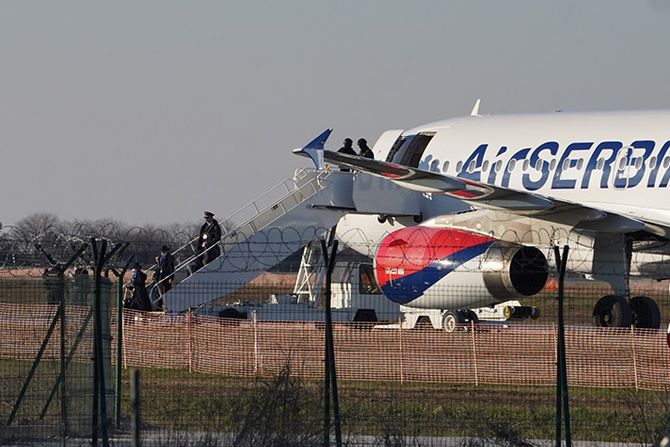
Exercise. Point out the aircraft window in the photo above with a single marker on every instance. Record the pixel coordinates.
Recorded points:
(652, 162)
(666, 162)
(580, 163)
(552, 164)
(601, 164)
(565, 165)
(485, 165)
(366, 280)
(396, 146)
(638, 162)
(622, 163)
(471, 166)
(511, 165)
(538, 164)
(459, 166)
(445, 166)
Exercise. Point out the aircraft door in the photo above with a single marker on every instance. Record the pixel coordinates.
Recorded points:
(384, 143)
(409, 149)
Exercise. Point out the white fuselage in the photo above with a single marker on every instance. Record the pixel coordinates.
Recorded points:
(614, 161)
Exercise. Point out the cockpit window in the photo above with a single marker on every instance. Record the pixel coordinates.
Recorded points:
(408, 149)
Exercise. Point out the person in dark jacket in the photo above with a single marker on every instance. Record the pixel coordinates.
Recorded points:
(365, 150)
(138, 282)
(347, 148)
(210, 235)
(164, 268)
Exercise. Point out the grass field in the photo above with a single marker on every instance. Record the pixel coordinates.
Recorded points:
(182, 401)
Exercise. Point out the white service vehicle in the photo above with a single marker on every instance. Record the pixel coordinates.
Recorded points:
(450, 320)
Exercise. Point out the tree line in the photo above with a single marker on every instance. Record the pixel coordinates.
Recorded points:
(60, 238)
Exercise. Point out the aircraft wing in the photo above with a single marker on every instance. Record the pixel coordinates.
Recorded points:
(499, 198)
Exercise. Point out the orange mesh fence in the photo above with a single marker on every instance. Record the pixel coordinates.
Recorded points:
(499, 354)
(514, 354)
(23, 328)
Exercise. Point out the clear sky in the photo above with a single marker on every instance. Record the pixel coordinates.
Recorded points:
(155, 111)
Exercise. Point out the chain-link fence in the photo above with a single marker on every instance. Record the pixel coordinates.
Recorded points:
(224, 379)
(247, 367)
(46, 378)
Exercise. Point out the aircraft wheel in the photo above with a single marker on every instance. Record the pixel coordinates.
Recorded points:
(646, 314)
(612, 311)
(451, 320)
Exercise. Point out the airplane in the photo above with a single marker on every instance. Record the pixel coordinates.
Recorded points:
(510, 187)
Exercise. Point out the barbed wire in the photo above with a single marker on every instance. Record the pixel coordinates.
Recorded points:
(263, 250)
(21, 247)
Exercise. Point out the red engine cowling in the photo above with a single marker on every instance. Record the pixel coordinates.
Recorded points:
(453, 269)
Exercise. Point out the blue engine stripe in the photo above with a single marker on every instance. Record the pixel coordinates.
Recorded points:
(410, 287)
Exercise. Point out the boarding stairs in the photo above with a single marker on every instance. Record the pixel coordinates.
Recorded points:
(301, 209)
(260, 235)
(309, 280)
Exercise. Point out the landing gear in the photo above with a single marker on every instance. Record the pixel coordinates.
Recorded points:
(646, 314)
(612, 254)
(612, 311)
(617, 311)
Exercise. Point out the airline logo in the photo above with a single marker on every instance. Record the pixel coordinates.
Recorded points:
(577, 165)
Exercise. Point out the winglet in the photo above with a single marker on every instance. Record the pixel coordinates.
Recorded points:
(475, 109)
(314, 149)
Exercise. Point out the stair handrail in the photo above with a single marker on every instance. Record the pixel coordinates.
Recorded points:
(320, 176)
(299, 174)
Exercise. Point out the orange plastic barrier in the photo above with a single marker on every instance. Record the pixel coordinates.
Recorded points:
(491, 354)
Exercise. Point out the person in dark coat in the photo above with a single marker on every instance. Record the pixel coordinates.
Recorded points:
(164, 268)
(210, 235)
(347, 148)
(365, 150)
(138, 281)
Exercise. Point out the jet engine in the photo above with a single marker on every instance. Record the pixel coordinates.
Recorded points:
(440, 268)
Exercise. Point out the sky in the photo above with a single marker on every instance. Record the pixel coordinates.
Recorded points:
(154, 111)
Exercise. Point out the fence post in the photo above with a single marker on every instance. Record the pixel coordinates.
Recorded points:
(254, 321)
(135, 408)
(63, 364)
(555, 350)
(402, 378)
(189, 330)
(124, 344)
(120, 347)
(632, 344)
(474, 352)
